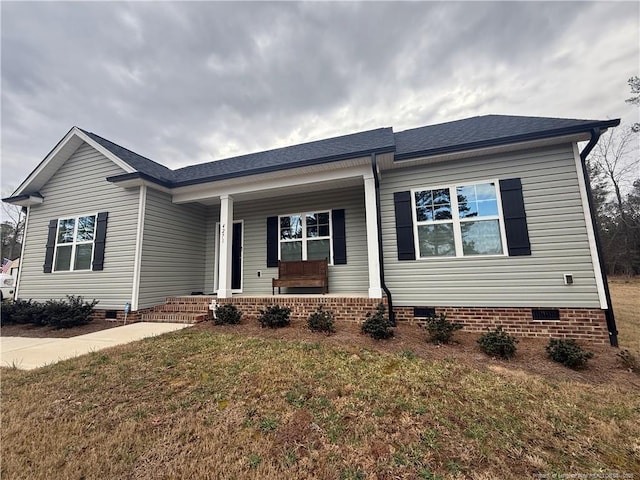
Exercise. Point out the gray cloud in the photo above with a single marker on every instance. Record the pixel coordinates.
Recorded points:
(195, 81)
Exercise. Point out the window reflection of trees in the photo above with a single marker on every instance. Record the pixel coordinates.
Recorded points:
(476, 221)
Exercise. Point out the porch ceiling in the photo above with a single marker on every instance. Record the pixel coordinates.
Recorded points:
(290, 190)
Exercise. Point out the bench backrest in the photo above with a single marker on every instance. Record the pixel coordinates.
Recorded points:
(302, 268)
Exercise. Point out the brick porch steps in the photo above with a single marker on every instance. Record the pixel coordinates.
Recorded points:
(191, 309)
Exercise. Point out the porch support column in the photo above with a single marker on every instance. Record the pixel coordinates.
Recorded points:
(226, 241)
(375, 291)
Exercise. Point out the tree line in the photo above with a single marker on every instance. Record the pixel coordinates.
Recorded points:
(614, 170)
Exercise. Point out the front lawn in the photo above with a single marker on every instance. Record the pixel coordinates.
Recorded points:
(197, 404)
(222, 403)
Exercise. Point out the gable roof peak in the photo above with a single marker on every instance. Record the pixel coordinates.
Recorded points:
(136, 161)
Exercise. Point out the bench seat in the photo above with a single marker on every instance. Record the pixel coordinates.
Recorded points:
(302, 273)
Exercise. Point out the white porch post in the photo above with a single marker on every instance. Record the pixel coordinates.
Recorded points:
(226, 240)
(375, 291)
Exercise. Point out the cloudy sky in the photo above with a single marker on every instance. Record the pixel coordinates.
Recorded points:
(184, 83)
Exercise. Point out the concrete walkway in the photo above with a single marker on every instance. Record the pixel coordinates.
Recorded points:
(29, 353)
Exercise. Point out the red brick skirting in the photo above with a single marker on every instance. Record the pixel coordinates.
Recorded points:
(132, 317)
(344, 309)
(579, 323)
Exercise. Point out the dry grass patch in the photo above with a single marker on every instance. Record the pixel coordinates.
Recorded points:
(243, 402)
(625, 295)
(204, 404)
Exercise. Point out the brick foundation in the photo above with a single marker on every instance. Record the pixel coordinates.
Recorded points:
(580, 323)
(132, 317)
(344, 309)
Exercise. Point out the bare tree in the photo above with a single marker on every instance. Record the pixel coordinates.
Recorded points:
(615, 158)
(12, 229)
(634, 85)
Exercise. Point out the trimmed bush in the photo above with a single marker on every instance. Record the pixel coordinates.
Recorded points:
(23, 312)
(227, 314)
(440, 329)
(568, 353)
(321, 321)
(498, 343)
(377, 326)
(274, 316)
(72, 312)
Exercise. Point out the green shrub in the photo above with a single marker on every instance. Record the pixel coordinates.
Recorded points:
(568, 353)
(498, 343)
(72, 312)
(629, 361)
(321, 321)
(377, 326)
(274, 316)
(227, 314)
(23, 312)
(440, 329)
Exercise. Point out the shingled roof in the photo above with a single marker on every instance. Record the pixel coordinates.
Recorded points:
(485, 131)
(140, 163)
(459, 135)
(456, 136)
(311, 153)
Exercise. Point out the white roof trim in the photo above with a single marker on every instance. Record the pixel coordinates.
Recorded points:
(30, 200)
(117, 160)
(60, 154)
(280, 179)
(139, 182)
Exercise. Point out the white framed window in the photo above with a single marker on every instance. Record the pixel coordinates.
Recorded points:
(75, 238)
(305, 236)
(459, 220)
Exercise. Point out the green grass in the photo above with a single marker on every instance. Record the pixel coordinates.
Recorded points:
(198, 404)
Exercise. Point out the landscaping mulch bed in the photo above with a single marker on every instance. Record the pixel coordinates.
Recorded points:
(34, 331)
(603, 368)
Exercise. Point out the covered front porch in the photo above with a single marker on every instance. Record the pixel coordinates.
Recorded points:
(307, 214)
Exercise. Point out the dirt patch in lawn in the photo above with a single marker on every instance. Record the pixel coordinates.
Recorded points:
(34, 331)
(604, 368)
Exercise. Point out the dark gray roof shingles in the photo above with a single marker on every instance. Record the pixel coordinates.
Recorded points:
(482, 131)
(140, 163)
(445, 137)
(321, 151)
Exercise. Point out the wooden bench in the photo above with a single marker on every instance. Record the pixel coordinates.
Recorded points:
(305, 273)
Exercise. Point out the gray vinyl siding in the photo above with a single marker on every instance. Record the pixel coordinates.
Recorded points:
(351, 278)
(557, 231)
(79, 188)
(173, 249)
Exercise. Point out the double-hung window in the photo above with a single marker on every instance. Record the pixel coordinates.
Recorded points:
(74, 243)
(305, 236)
(459, 220)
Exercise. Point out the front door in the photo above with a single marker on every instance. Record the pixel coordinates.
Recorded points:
(236, 257)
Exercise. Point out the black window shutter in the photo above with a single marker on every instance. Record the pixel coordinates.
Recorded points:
(515, 218)
(272, 241)
(339, 237)
(51, 245)
(404, 226)
(101, 236)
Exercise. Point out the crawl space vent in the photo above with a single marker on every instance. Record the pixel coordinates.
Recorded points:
(546, 314)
